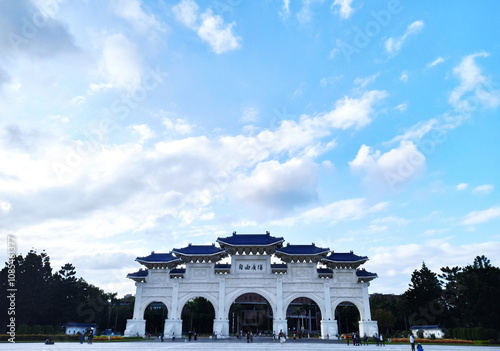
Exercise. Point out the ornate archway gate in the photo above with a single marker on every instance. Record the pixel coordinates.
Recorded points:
(325, 276)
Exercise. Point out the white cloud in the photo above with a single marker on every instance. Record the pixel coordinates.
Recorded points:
(219, 36)
(209, 27)
(393, 45)
(391, 220)
(179, 125)
(5, 206)
(363, 82)
(462, 186)
(483, 189)
(250, 114)
(477, 217)
(416, 132)
(471, 80)
(343, 210)
(404, 76)
(186, 12)
(285, 10)
(121, 65)
(354, 112)
(401, 107)
(132, 11)
(434, 232)
(275, 186)
(390, 169)
(78, 100)
(144, 132)
(436, 62)
(345, 8)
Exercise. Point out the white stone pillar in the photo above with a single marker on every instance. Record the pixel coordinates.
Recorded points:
(329, 327)
(221, 323)
(137, 325)
(138, 302)
(367, 315)
(175, 301)
(279, 320)
(366, 325)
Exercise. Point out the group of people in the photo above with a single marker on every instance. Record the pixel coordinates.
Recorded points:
(356, 339)
(89, 334)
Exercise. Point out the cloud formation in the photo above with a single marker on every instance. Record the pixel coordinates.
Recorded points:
(209, 27)
(393, 45)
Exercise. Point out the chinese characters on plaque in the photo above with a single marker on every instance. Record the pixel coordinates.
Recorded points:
(250, 267)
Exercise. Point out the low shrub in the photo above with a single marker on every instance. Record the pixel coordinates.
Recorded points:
(437, 341)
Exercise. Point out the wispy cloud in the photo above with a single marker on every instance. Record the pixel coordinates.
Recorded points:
(436, 62)
(477, 217)
(209, 27)
(393, 45)
(483, 189)
(344, 9)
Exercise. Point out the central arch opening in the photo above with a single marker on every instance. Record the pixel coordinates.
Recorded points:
(251, 312)
(198, 316)
(304, 317)
(154, 315)
(348, 316)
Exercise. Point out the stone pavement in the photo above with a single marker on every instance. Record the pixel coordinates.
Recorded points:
(220, 345)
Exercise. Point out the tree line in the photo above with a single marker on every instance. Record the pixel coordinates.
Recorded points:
(462, 299)
(46, 300)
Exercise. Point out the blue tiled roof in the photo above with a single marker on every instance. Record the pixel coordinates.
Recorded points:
(202, 250)
(362, 273)
(426, 327)
(302, 250)
(250, 240)
(80, 325)
(178, 271)
(223, 266)
(158, 258)
(278, 265)
(139, 274)
(345, 257)
(325, 271)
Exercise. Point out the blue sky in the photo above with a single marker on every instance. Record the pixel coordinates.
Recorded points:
(130, 126)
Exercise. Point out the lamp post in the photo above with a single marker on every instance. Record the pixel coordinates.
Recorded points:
(109, 314)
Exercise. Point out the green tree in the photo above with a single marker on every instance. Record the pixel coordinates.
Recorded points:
(478, 286)
(423, 297)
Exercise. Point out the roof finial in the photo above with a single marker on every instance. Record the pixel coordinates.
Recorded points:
(234, 233)
(267, 232)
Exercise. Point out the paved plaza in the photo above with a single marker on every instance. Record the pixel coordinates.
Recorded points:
(232, 345)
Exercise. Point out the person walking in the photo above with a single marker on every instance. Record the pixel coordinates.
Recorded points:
(365, 338)
(347, 339)
(412, 342)
(382, 342)
(91, 335)
(282, 337)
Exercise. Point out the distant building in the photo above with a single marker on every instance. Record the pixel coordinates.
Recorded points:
(75, 328)
(428, 330)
